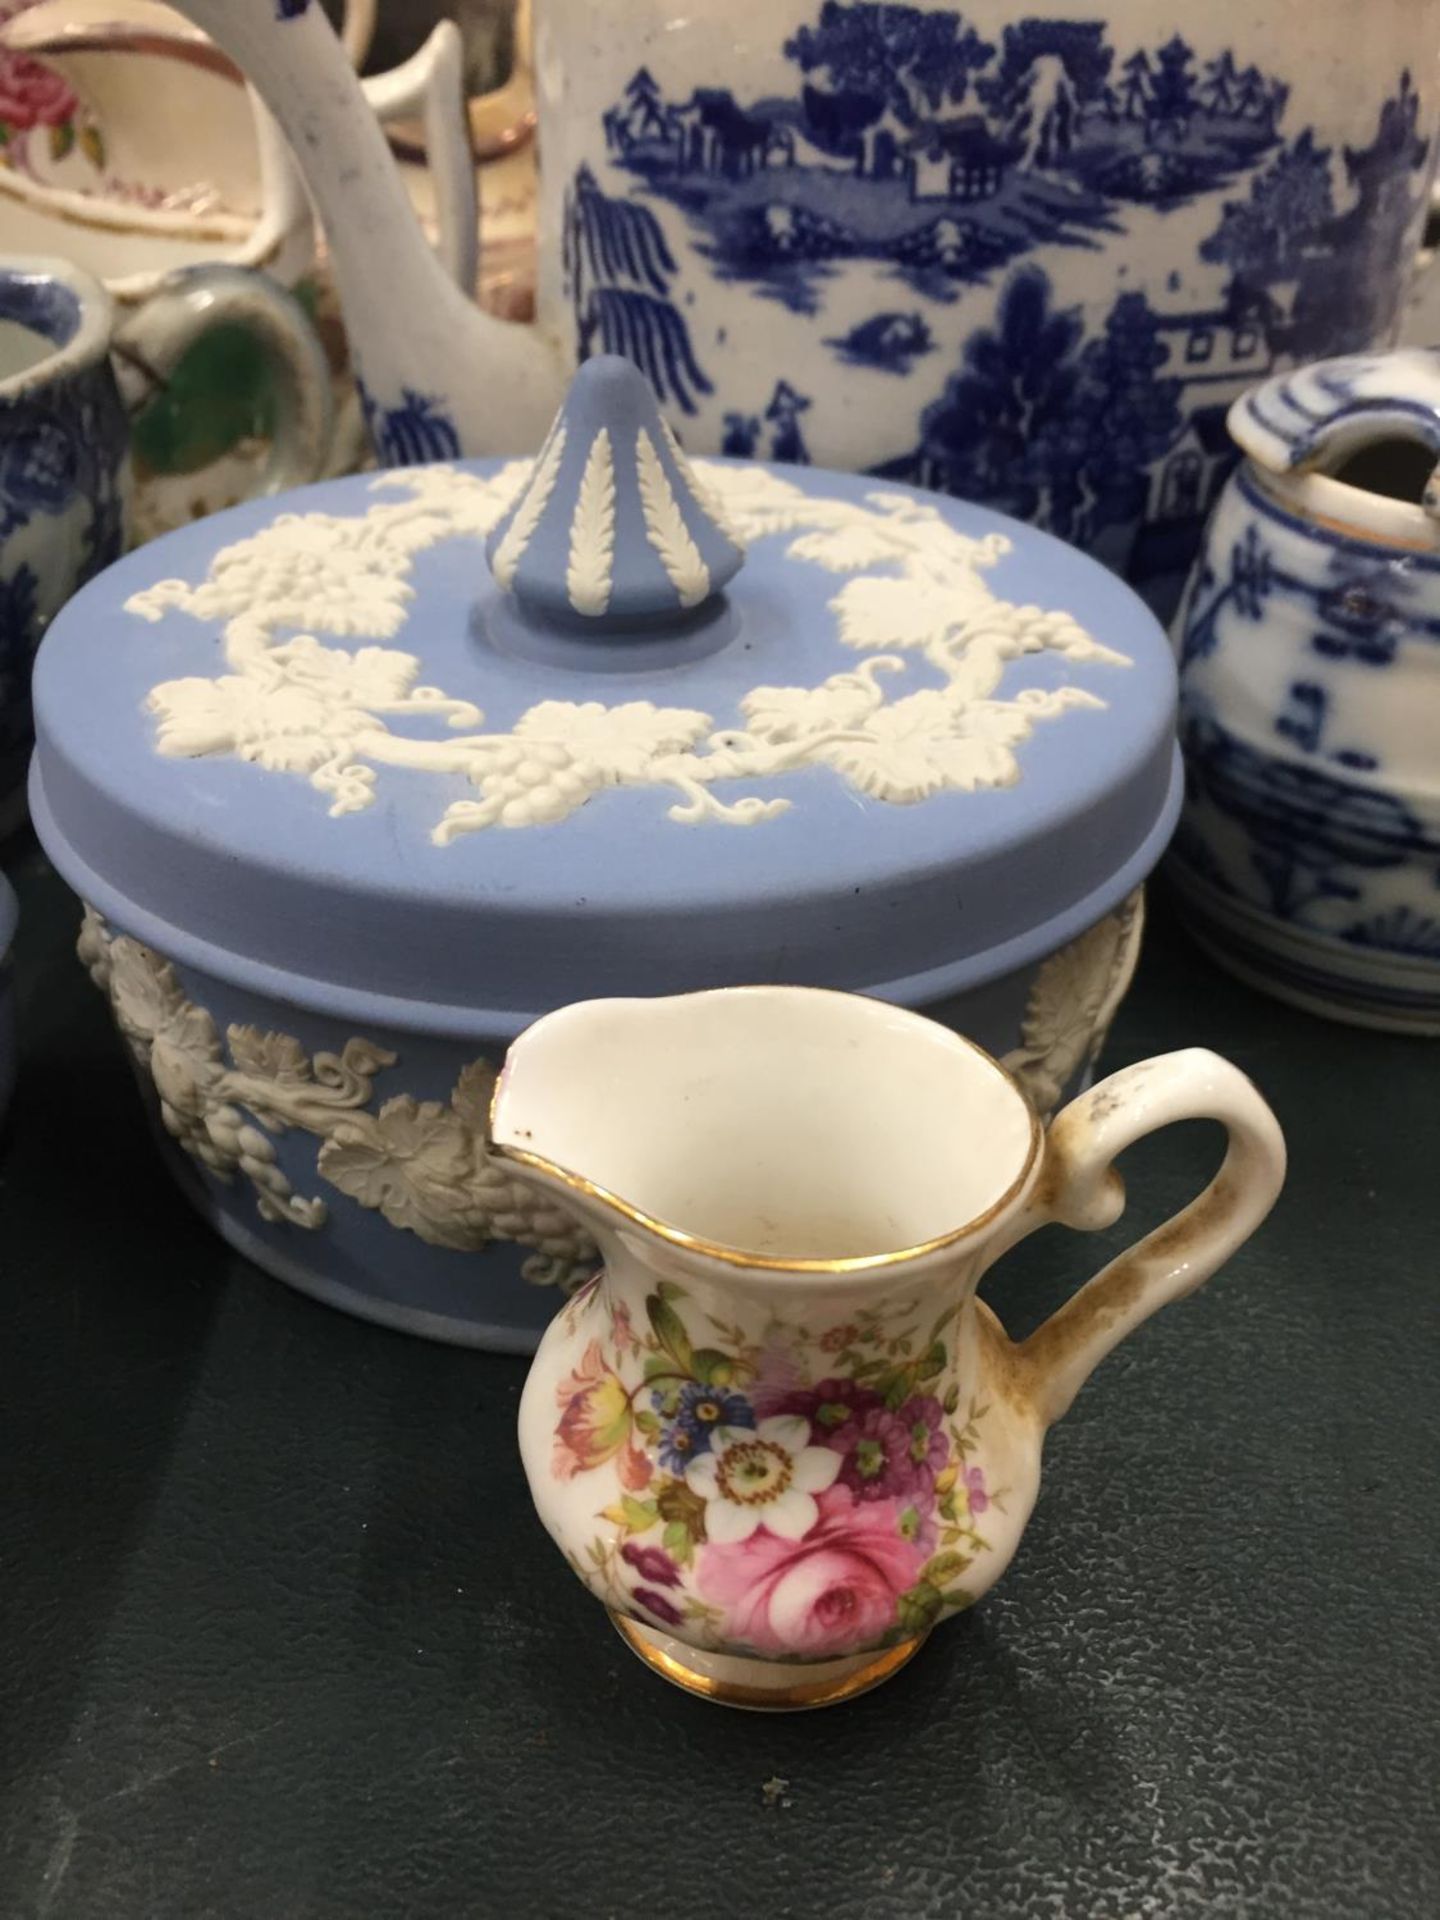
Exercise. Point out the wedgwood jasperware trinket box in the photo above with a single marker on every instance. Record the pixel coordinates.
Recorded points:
(779, 1436)
(1308, 854)
(352, 805)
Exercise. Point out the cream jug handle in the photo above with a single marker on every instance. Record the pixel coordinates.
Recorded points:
(1080, 1187)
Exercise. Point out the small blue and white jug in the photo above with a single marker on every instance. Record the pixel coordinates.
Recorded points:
(65, 436)
(1308, 854)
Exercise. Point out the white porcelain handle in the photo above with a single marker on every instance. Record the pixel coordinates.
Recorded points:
(432, 84)
(1080, 1187)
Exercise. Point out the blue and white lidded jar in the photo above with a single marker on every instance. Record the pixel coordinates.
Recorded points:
(1308, 856)
(351, 806)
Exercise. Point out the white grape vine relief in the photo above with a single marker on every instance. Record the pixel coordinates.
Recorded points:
(306, 685)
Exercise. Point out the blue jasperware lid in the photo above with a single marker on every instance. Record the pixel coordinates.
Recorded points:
(452, 745)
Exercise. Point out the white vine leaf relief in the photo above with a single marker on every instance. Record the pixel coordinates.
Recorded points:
(844, 701)
(915, 601)
(590, 574)
(930, 742)
(665, 527)
(425, 1165)
(561, 752)
(521, 530)
(1072, 1001)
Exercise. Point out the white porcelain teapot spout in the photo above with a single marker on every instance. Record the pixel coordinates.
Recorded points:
(439, 378)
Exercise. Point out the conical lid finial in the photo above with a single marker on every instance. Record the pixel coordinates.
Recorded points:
(613, 528)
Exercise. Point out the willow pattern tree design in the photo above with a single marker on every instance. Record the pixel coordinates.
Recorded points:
(1051, 74)
(618, 269)
(1217, 91)
(981, 438)
(1135, 88)
(910, 58)
(1052, 428)
(1267, 234)
(1288, 231)
(1128, 416)
(1172, 89)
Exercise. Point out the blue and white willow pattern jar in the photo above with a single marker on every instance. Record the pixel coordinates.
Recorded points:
(359, 782)
(1026, 254)
(1308, 855)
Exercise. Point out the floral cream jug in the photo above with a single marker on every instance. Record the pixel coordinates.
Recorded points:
(779, 1436)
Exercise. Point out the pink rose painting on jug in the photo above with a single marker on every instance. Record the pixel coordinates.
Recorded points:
(805, 1496)
(42, 123)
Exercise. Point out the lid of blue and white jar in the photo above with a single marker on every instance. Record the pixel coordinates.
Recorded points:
(452, 745)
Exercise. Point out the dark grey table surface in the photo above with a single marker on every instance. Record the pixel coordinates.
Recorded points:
(280, 1638)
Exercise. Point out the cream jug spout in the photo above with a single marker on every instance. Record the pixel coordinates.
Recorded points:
(438, 378)
(768, 1132)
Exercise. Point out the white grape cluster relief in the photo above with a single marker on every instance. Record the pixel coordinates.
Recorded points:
(295, 694)
(1073, 997)
(426, 1165)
